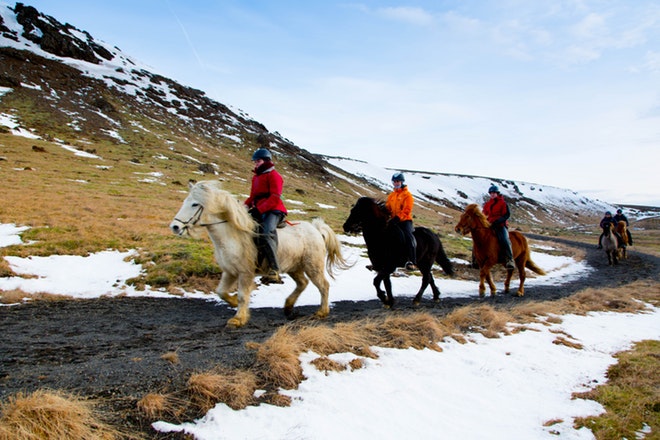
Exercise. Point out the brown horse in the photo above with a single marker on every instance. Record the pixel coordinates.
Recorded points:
(487, 250)
(622, 230)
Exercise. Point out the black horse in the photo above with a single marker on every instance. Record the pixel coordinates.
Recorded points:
(387, 251)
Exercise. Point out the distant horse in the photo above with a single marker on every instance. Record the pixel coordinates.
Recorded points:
(487, 250)
(302, 248)
(387, 251)
(622, 230)
(610, 243)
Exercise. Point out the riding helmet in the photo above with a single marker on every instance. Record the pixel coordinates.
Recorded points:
(493, 189)
(398, 177)
(608, 213)
(619, 211)
(262, 153)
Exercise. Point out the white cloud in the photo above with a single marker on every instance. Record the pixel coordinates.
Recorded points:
(411, 15)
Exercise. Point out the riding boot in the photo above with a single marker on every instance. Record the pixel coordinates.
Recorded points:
(629, 237)
(411, 264)
(600, 241)
(273, 275)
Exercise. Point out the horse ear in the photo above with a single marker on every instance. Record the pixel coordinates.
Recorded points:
(191, 183)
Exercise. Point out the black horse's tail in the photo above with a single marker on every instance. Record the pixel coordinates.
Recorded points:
(444, 261)
(436, 249)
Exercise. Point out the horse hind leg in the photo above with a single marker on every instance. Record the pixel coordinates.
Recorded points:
(321, 282)
(301, 283)
(425, 282)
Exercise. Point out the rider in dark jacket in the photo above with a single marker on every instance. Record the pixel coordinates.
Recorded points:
(620, 216)
(603, 224)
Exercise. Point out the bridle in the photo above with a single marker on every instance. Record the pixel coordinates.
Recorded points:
(194, 219)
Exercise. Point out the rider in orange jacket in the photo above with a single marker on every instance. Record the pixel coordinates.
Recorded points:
(400, 205)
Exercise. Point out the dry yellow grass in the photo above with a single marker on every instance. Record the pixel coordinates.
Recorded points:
(55, 416)
(235, 388)
(171, 356)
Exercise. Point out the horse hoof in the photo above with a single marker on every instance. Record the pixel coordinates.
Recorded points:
(321, 314)
(416, 302)
(235, 323)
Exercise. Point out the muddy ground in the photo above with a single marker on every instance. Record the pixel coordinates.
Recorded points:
(111, 348)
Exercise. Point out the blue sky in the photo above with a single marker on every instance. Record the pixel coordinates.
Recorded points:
(555, 92)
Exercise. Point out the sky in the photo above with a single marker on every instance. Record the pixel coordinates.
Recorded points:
(502, 388)
(562, 93)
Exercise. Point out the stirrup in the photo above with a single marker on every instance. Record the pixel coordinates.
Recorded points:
(273, 277)
(411, 266)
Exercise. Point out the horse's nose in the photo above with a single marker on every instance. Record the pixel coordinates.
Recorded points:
(175, 228)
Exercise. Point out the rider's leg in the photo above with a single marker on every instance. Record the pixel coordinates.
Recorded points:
(505, 243)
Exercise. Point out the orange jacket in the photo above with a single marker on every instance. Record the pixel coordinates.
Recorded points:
(400, 203)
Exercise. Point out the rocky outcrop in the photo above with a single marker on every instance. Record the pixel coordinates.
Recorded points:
(58, 39)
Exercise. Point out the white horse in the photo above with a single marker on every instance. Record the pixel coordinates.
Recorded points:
(610, 244)
(302, 249)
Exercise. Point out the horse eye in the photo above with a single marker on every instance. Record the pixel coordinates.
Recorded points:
(195, 205)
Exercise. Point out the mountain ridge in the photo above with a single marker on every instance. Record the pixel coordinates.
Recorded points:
(67, 87)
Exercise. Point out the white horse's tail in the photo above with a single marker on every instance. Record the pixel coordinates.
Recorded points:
(335, 259)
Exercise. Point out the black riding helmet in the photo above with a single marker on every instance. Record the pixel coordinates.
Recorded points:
(262, 153)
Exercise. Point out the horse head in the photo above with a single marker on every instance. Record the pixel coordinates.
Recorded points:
(471, 219)
(366, 211)
(207, 205)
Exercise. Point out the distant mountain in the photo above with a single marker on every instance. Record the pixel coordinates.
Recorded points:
(59, 84)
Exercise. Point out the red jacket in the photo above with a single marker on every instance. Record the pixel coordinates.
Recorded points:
(266, 191)
(496, 210)
(400, 203)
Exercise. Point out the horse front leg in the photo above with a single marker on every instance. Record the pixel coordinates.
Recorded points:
(485, 277)
(387, 282)
(245, 286)
(379, 292)
(226, 285)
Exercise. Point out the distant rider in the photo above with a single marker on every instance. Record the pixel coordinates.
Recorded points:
(620, 216)
(603, 224)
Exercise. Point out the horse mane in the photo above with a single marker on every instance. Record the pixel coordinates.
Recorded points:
(475, 211)
(221, 203)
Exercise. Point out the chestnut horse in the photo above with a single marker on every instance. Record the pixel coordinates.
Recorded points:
(487, 250)
(622, 230)
(386, 248)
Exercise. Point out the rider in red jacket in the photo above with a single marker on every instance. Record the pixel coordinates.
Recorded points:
(497, 213)
(266, 206)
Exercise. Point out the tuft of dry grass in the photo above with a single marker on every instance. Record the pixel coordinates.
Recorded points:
(52, 415)
(171, 356)
(155, 405)
(324, 363)
(235, 388)
(277, 359)
(482, 319)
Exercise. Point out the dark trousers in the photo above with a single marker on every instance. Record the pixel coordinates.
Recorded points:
(268, 237)
(502, 233)
(407, 229)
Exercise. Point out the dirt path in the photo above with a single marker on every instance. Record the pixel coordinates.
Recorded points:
(112, 347)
